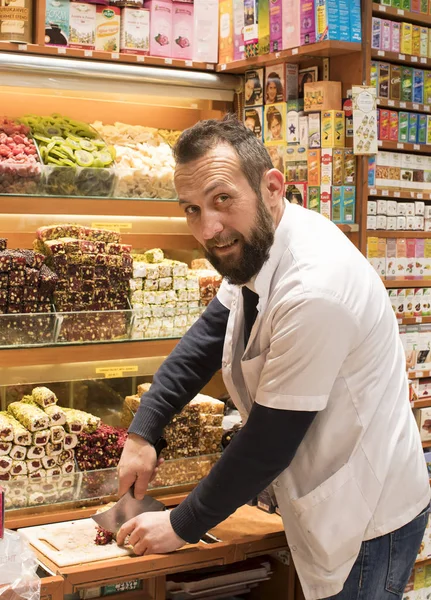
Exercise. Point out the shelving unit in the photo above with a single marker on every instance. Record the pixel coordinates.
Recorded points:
(383, 233)
(386, 145)
(398, 105)
(413, 320)
(406, 283)
(423, 403)
(401, 59)
(398, 194)
(399, 14)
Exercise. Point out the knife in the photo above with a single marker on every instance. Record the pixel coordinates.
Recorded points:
(128, 506)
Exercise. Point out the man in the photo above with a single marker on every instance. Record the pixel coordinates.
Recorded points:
(311, 356)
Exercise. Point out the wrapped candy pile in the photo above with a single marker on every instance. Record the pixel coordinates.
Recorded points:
(167, 296)
(93, 269)
(144, 160)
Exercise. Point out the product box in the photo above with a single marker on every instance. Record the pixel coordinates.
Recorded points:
(303, 131)
(382, 207)
(225, 43)
(395, 36)
(297, 193)
(374, 74)
(390, 256)
(292, 127)
(427, 87)
(107, 29)
(403, 126)
(426, 301)
(333, 135)
(135, 31)
(393, 126)
(251, 28)
(406, 38)
(238, 26)
(275, 122)
(337, 193)
(291, 81)
(413, 128)
(422, 129)
(371, 171)
(82, 21)
(371, 207)
(314, 159)
(322, 95)
(385, 42)
(391, 207)
(419, 208)
(407, 84)
(161, 21)
(381, 222)
(401, 257)
(338, 166)
(326, 201)
(428, 129)
(391, 223)
(57, 22)
(401, 223)
(298, 23)
(409, 302)
(423, 420)
(182, 31)
(276, 25)
(277, 154)
(384, 124)
(395, 82)
(411, 257)
(205, 40)
(314, 136)
(355, 21)
(343, 15)
(263, 26)
(383, 79)
(253, 119)
(376, 33)
(327, 20)
(348, 204)
(371, 222)
(424, 42)
(326, 166)
(374, 256)
(254, 84)
(416, 40)
(418, 86)
(275, 84)
(313, 202)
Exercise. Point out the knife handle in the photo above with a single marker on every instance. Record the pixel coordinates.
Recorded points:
(160, 445)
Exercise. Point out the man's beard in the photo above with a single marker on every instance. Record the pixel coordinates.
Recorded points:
(254, 251)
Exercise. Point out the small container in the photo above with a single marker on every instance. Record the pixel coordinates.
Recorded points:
(16, 21)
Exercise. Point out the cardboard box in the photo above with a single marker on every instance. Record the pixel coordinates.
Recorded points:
(292, 127)
(373, 255)
(413, 128)
(371, 207)
(383, 124)
(291, 81)
(135, 31)
(182, 32)
(386, 29)
(395, 82)
(225, 44)
(410, 253)
(263, 26)
(395, 36)
(401, 258)
(382, 207)
(82, 22)
(313, 202)
(277, 153)
(393, 126)
(348, 204)
(355, 21)
(407, 84)
(424, 42)
(314, 135)
(275, 122)
(410, 302)
(275, 84)
(371, 222)
(107, 29)
(343, 15)
(205, 41)
(303, 131)
(423, 420)
(254, 84)
(427, 87)
(276, 25)
(376, 33)
(416, 40)
(338, 166)
(314, 159)
(333, 134)
(327, 20)
(406, 38)
(251, 29)
(57, 23)
(374, 74)
(381, 222)
(401, 209)
(238, 26)
(418, 86)
(298, 23)
(401, 223)
(253, 119)
(326, 201)
(403, 126)
(428, 129)
(383, 88)
(322, 95)
(418, 302)
(326, 166)
(422, 129)
(161, 22)
(296, 192)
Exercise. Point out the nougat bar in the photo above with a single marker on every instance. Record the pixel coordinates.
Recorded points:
(43, 396)
(18, 452)
(6, 430)
(21, 436)
(56, 415)
(208, 405)
(5, 448)
(41, 438)
(36, 452)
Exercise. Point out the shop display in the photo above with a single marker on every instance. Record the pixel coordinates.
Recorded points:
(401, 83)
(398, 215)
(400, 171)
(404, 126)
(407, 38)
(16, 21)
(100, 449)
(20, 168)
(400, 258)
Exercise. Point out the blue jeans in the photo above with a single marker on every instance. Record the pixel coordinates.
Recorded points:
(384, 564)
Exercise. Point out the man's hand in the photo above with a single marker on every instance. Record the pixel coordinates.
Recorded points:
(138, 465)
(150, 533)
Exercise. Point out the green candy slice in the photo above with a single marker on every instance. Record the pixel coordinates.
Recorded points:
(87, 145)
(83, 158)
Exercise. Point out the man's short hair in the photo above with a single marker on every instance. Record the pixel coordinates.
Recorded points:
(196, 141)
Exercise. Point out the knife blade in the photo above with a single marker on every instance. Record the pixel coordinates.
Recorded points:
(128, 506)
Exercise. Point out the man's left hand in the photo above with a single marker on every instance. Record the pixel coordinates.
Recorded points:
(150, 533)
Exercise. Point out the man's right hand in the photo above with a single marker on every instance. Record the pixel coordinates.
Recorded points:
(138, 465)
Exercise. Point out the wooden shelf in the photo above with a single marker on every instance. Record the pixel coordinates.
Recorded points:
(384, 233)
(422, 403)
(398, 105)
(41, 205)
(404, 146)
(398, 14)
(426, 444)
(346, 228)
(402, 59)
(294, 55)
(413, 320)
(423, 563)
(398, 194)
(406, 283)
(115, 57)
(419, 375)
(55, 355)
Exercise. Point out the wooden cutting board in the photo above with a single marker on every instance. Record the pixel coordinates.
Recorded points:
(71, 543)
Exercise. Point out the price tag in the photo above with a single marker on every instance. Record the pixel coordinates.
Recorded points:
(391, 103)
(115, 55)
(413, 59)
(168, 61)
(400, 146)
(111, 372)
(401, 57)
(382, 8)
(427, 107)
(418, 319)
(419, 196)
(399, 321)
(22, 47)
(373, 192)
(294, 51)
(385, 192)
(397, 194)
(210, 67)
(61, 50)
(416, 147)
(223, 67)
(418, 374)
(400, 11)
(140, 58)
(88, 52)
(112, 226)
(423, 60)
(380, 53)
(277, 55)
(403, 105)
(415, 106)
(189, 63)
(380, 143)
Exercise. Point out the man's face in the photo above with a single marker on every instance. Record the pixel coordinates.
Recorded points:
(224, 214)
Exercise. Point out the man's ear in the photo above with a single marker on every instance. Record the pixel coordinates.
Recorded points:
(273, 182)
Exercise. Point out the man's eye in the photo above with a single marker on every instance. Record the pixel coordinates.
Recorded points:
(191, 210)
(222, 198)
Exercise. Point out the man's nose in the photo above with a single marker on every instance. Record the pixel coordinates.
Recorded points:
(211, 225)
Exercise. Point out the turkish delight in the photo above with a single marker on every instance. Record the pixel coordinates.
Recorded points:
(54, 449)
(6, 431)
(33, 465)
(41, 438)
(56, 415)
(78, 420)
(5, 464)
(57, 434)
(18, 467)
(49, 462)
(21, 436)
(5, 448)
(70, 441)
(36, 452)
(44, 397)
(18, 452)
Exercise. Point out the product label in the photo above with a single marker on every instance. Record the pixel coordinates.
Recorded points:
(113, 372)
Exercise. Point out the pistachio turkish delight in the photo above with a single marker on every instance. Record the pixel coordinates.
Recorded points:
(70, 441)
(5, 448)
(49, 462)
(18, 467)
(36, 452)
(78, 420)
(44, 397)
(5, 464)
(33, 465)
(57, 434)
(54, 449)
(6, 430)
(56, 415)
(18, 452)
(41, 438)
(21, 436)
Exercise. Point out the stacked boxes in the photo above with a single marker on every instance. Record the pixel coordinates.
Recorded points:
(403, 126)
(400, 258)
(396, 215)
(406, 38)
(398, 171)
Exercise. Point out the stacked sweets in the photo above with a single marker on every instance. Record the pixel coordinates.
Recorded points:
(94, 269)
(167, 296)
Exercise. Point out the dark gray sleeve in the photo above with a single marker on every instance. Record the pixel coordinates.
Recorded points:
(262, 449)
(184, 373)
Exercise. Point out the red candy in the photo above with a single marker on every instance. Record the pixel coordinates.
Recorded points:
(20, 169)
